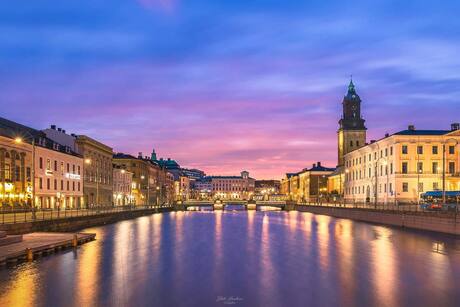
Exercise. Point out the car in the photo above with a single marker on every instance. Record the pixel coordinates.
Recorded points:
(430, 206)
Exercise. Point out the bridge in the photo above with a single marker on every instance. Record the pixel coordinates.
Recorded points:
(220, 205)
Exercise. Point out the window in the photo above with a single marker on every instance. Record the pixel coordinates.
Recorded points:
(17, 173)
(48, 164)
(420, 187)
(40, 183)
(451, 167)
(62, 168)
(28, 175)
(351, 143)
(420, 150)
(404, 150)
(357, 143)
(405, 187)
(55, 184)
(48, 183)
(404, 168)
(78, 168)
(434, 150)
(391, 150)
(451, 150)
(7, 172)
(435, 186)
(73, 168)
(68, 168)
(40, 163)
(68, 186)
(55, 165)
(435, 168)
(62, 184)
(420, 167)
(391, 168)
(73, 186)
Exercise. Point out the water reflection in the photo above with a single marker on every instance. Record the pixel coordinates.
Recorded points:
(384, 267)
(265, 258)
(22, 290)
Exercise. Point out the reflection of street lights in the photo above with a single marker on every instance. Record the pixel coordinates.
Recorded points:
(90, 162)
(18, 140)
(157, 188)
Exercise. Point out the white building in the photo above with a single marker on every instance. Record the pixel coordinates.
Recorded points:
(402, 166)
(59, 174)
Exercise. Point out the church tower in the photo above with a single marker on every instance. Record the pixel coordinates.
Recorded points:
(352, 132)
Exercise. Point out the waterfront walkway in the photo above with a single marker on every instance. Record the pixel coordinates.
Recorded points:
(37, 243)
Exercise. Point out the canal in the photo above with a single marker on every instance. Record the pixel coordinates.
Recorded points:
(245, 259)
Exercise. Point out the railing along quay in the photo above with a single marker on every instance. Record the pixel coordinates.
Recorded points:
(13, 216)
(390, 207)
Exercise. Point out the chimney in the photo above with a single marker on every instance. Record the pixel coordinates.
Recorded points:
(59, 129)
(372, 141)
(319, 164)
(140, 155)
(455, 126)
(411, 128)
(314, 165)
(53, 127)
(63, 131)
(387, 135)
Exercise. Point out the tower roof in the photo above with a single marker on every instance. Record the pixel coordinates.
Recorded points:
(351, 94)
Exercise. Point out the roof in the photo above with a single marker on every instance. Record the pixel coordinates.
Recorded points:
(120, 155)
(422, 132)
(13, 130)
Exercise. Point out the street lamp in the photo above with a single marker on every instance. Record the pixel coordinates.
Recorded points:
(90, 162)
(18, 140)
(444, 167)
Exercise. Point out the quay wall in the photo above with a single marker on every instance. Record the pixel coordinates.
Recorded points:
(430, 221)
(76, 223)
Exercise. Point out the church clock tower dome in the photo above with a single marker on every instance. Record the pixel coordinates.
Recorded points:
(352, 131)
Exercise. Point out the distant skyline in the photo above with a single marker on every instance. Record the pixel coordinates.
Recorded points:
(231, 86)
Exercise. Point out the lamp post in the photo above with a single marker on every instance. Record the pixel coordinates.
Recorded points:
(89, 162)
(18, 140)
(444, 167)
(347, 171)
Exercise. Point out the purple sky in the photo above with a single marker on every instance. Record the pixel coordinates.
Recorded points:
(226, 86)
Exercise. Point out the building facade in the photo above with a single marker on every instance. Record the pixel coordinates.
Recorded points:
(233, 187)
(59, 177)
(400, 167)
(122, 187)
(15, 171)
(98, 171)
(151, 184)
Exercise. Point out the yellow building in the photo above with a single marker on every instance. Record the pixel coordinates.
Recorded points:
(400, 167)
(15, 172)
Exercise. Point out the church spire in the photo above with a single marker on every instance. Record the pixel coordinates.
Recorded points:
(351, 86)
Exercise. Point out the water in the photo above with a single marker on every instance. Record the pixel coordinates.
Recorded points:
(243, 259)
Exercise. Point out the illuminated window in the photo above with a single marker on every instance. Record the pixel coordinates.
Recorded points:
(434, 150)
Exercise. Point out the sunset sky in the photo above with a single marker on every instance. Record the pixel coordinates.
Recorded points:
(228, 85)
